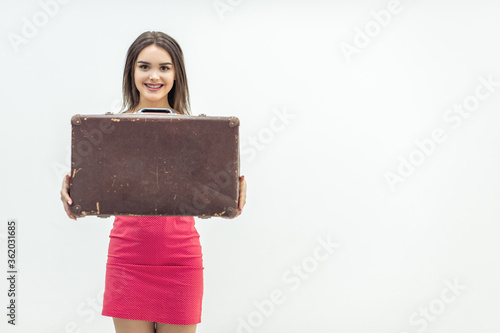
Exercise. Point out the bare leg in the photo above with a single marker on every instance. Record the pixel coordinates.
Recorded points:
(133, 326)
(167, 328)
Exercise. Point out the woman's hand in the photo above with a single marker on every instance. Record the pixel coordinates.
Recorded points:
(242, 198)
(243, 193)
(65, 198)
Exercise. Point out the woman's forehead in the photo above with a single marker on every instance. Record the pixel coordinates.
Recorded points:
(154, 54)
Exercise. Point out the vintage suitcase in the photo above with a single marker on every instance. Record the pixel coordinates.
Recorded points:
(154, 164)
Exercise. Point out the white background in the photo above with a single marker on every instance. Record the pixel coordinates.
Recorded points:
(320, 175)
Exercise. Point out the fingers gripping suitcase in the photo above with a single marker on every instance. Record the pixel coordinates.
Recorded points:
(154, 164)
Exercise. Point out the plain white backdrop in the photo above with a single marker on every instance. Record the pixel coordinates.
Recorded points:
(369, 139)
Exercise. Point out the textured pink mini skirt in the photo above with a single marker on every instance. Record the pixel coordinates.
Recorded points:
(154, 270)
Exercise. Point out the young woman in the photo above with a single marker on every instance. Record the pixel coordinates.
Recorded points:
(154, 271)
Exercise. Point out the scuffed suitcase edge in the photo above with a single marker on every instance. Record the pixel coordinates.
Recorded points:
(76, 209)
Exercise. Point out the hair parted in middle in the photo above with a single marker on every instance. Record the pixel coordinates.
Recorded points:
(178, 97)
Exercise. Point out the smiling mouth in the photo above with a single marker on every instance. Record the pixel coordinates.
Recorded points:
(153, 86)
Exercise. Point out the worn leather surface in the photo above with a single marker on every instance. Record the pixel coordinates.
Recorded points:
(154, 164)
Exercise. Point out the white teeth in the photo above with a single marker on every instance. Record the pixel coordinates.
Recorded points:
(153, 86)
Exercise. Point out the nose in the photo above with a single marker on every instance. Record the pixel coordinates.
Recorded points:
(153, 76)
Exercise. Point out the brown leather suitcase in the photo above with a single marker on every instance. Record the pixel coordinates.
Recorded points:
(154, 164)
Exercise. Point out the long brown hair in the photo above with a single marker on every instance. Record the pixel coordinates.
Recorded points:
(178, 97)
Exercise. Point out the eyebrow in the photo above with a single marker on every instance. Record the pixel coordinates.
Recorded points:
(148, 63)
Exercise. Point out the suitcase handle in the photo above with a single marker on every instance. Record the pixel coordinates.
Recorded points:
(155, 110)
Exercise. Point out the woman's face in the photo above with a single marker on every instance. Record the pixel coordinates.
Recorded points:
(154, 76)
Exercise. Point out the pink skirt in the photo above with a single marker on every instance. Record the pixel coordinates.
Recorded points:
(154, 270)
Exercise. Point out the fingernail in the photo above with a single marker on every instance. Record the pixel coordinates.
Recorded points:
(69, 202)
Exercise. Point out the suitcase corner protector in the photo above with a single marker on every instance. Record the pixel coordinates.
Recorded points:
(232, 212)
(76, 119)
(234, 121)
(76, 210)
